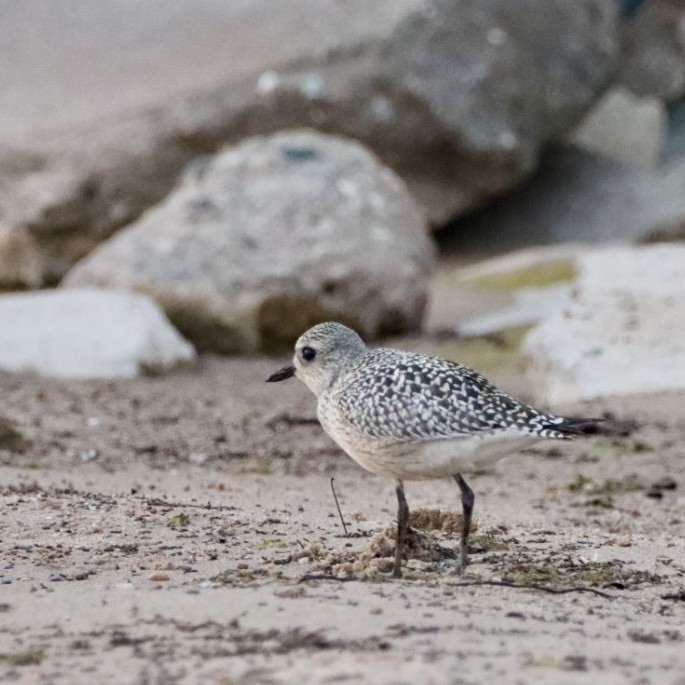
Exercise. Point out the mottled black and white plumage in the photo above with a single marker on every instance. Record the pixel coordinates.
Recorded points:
(410, 416)
(415, 397)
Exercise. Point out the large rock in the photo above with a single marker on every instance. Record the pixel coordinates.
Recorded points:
(456, 97)
(653, 51)
(626, 127)
(623, 333)
(11, 439)
(577, 196)
(87, 334)
(20, 260)
(265, 239)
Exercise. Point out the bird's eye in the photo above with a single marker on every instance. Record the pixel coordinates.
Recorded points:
(308, 353)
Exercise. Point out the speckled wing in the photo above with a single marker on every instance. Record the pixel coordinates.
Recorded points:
(392, 395)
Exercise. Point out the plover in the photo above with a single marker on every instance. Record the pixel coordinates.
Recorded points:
(410, 416)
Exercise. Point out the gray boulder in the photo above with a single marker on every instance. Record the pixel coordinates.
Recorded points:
(577, 196)
(456, 97)
(11, 439)
(265, 239)
(653, 51)
(87, 334)
(20, 260)
(622, 334)
(626, 127)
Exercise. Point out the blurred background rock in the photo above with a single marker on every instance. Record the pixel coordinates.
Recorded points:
(159, 148)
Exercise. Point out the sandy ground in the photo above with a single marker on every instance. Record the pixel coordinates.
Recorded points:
(182, 529)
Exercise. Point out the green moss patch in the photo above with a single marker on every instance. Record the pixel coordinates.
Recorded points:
(486, 353)
(270, 543)
(537, 275)
(180, 521)
(30, 657)
(565, 572)
(618, 447)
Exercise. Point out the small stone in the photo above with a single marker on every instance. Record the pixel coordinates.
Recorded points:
(242, 566)
(267, 82)
(283, 560)
(665, 483)
(198, 458)
(5, 581)
(56, 577)
(89, 455)
(158, 577)
(575, 663)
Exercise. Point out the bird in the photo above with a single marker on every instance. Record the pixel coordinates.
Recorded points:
(410, 416)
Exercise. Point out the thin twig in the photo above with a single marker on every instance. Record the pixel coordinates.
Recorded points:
(679, 596)
(335, 497)
(471, 583)
(527, 586)
(159, 502)
(291, 420)
(326, 576)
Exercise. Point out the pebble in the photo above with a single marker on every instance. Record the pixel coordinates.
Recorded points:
(5, 581)
(56, 577)
(89, 455)
(656, 489)
(198, 458)
(158, 577)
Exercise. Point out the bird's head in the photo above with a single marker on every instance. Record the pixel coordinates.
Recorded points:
(322, 353)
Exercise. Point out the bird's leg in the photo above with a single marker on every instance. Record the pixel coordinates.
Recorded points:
(402, 525)
(467, 500)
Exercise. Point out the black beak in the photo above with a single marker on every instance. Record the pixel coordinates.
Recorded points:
(281, 374)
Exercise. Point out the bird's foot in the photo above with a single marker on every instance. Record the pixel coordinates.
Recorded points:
(463, 562)
(461, 567)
